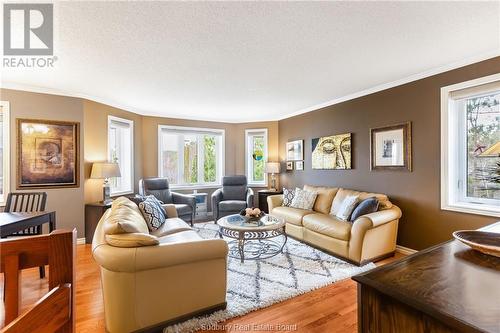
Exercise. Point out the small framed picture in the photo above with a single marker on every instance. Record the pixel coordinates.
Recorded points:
(295, 150)
(391, 147)
(289, 166)
(299, 165)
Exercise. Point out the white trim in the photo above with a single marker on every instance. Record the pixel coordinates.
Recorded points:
(405, 250)
(132, 145)
(222, 158)
(6, 150)
(80, 241)
(247, 133)
(448, 174)
(374, 89)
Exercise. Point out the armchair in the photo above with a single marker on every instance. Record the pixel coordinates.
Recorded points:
(232, 197)
(185, 204)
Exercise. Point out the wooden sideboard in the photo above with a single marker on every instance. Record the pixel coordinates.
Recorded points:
(446, 288)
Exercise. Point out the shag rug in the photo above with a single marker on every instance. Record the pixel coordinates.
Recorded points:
(256, 284)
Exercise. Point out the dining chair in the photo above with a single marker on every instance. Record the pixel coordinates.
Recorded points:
(27, 202)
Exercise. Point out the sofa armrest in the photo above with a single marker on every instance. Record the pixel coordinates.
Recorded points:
(274, 201)
(158, 256)
(250, 202)
(381, 217)
(170, 210)
(216, 198)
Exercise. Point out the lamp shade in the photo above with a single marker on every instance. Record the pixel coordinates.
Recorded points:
(272, 167)
(493, 151)
(102, 170)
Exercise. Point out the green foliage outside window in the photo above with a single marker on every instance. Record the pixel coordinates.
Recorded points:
(258, 166)
(209, 166)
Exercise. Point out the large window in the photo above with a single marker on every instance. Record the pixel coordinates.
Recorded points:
(256, 156)
(121, 151)
(190, 156)
(471, 146)
(4, 151)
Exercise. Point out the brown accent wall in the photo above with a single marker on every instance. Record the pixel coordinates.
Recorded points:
(418, 192)
(95, 133)
(67, 202)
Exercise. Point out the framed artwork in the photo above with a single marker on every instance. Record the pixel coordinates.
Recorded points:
(295, 150)
(299, 165)
(47, 153)
(391, 147)
(332, 152)
(289, 166)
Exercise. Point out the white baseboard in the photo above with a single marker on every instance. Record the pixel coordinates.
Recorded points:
(405, 250)
(80, 241)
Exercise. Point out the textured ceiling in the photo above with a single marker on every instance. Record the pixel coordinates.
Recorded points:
(248, 61)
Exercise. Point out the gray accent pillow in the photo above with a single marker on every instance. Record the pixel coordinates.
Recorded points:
(367, 206)
(288, 195)
(153, 212)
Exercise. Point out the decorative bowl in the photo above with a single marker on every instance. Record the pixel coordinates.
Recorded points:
(482, 241)
(251, 218)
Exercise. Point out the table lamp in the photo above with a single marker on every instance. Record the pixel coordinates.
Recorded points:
(104, 170)
(273, 168)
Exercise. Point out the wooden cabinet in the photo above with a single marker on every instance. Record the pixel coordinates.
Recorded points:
(263, 194)
(446, 288)
(93, 213)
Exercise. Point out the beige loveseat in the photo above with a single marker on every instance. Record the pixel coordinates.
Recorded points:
(369, 238)
(179, 276)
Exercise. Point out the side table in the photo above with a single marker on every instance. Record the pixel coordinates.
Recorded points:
(93, 213)
(263, 194)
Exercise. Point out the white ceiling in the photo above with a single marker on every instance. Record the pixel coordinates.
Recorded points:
(248, 61)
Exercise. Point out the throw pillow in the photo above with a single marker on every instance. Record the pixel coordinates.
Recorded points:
(124, 217)
(347, 206)
(153, 212)
(288, 195)
(132, 240)
(303, 199)
(367, 206)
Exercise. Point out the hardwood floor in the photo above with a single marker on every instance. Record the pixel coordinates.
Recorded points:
(329, 309)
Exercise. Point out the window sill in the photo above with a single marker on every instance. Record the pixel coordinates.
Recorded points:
(471, 208)
(194, 187)
(257, 185)
(117, 194)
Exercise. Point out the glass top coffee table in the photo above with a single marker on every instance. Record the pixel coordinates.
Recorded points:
(253, 240)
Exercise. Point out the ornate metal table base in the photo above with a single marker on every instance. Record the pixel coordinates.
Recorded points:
(253, 245)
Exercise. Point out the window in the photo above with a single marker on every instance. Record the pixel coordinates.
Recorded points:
(121, 151)
(4, 151)
(256, 156)
(470, 178)
(191, 156)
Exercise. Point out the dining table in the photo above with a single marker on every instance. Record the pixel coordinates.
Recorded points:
(13, 222)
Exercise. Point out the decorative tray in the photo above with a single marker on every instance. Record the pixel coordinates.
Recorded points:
(482, 241)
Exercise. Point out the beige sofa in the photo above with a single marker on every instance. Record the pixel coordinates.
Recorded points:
(369, 238)
(180, 276)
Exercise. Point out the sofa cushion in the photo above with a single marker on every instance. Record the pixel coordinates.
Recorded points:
(324, 199)
(291, 215)
(124, 217)
(303, 199)
(132, 240)
(180, 237)
(328, 225)
(171, 226)
(153, 212)
(232, 205)
(367, 206)
(183, 209)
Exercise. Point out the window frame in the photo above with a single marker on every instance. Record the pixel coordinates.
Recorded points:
(452, 146)
(6, 151)
(132, 161)
(248, 166)
(195, 130)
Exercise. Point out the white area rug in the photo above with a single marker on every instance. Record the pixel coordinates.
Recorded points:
(257, 284)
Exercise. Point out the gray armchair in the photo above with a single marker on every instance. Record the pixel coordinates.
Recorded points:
(185, 204)
(232, 197)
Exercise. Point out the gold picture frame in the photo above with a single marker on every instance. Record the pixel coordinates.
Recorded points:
(391, 148)
(48, 154)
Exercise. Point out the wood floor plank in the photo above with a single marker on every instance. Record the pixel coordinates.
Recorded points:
(328, 309)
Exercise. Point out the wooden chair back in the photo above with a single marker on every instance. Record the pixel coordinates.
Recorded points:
(55, 311)
(22, 202)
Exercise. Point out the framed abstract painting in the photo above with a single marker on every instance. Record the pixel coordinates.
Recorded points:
(47, 153)
(332, 152)
(391, 147)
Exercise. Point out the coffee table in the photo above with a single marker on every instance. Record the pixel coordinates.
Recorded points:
(253, 240)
